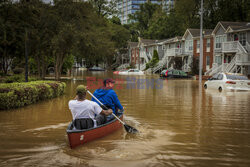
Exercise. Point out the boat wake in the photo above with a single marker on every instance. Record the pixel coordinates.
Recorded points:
(58, 126)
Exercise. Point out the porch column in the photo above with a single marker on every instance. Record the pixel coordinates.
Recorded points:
(223, 56)
(242, 69)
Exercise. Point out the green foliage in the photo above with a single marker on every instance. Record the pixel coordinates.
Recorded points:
(152, 63)
(56, 32)
(68, 64)
(18, 70)
(105, 8)
(20, 94)
(17, 78)
(152, 22)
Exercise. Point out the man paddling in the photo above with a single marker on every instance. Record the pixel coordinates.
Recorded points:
(108, 97)
(84, 111)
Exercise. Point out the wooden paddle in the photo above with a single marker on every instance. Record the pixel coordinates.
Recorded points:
(128, 128)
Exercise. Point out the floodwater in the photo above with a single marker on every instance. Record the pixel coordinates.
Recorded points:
(179, 126)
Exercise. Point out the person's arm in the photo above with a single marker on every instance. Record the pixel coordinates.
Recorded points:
(98, 110)
(106, 112)
(116, 100)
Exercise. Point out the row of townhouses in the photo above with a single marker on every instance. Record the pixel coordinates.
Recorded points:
(226, 48)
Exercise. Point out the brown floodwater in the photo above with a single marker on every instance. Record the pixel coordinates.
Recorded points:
(179, 126)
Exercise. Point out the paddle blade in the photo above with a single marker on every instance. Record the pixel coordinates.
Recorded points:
(130, 129)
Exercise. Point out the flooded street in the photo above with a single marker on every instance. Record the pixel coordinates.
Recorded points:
(178, 127)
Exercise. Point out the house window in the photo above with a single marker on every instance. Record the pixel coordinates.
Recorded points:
(163, 47)
(218, 60)
(208, 60)
(188, 45)
(242, 39)
(198, 46)
(178, 45)
(219, 40)
(208, 45)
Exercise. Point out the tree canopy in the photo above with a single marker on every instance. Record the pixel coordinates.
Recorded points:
(57, 31)
(153, 22)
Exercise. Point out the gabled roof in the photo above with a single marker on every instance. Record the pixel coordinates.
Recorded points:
(238, 28)
(133, 44)
(226, 24)
(147, 41)
(150, 42)
(172, 40)
(195, 33)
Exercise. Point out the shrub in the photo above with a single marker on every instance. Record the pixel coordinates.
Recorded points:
(152, 63)
(18, 70)
(14, 78)
(20, 94)
(17, 78)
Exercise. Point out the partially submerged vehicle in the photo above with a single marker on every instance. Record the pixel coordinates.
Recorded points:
(228, 81)
(131, 72)
(172, 73)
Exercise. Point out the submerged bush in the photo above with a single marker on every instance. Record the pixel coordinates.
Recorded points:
(13, 95)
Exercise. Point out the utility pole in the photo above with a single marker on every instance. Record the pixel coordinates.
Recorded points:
(26, 56)
(201, 43)
(139, 56)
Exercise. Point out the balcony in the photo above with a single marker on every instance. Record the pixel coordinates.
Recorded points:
(230, 47)
(233, 47)
(243, 59)
(174, 52)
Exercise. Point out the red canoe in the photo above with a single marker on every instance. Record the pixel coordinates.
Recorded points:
(79, 137)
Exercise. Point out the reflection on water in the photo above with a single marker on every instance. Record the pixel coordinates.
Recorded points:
(179, 126)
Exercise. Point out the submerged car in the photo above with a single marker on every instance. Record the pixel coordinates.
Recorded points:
(95, 68)
(172, 73)
(117, 72)
(228, 81)
(131, 72)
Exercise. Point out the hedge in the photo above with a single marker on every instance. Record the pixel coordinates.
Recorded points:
(13, 95)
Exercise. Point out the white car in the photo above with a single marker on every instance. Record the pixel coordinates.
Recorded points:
(228, 81)
(131, 72)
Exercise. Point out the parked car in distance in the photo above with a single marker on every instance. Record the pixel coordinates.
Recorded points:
(172, 73)
(131, 72)
(228, 81)
(117, 72)
(95, 68)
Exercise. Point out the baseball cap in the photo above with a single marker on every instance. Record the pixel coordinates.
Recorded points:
(108, 80)
(81, 89)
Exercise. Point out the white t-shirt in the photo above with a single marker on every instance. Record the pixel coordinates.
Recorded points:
(84, 109)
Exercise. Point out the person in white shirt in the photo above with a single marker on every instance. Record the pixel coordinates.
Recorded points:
(86, 114)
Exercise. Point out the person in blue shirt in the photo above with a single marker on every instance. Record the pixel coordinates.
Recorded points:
(108, 97)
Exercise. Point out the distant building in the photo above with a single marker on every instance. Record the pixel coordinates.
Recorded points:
(126, 7)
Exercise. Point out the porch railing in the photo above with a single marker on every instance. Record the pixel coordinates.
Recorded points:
(123, 66)
(214, 70)
(229, 67)
(160, 64)
(186, 68)
(243, 59)
(233, 47)
(174, 51)
(247, 47)
(143, 67)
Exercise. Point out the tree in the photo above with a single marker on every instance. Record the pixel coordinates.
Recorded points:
(105, 8)
(9, 34)
(143, 17)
